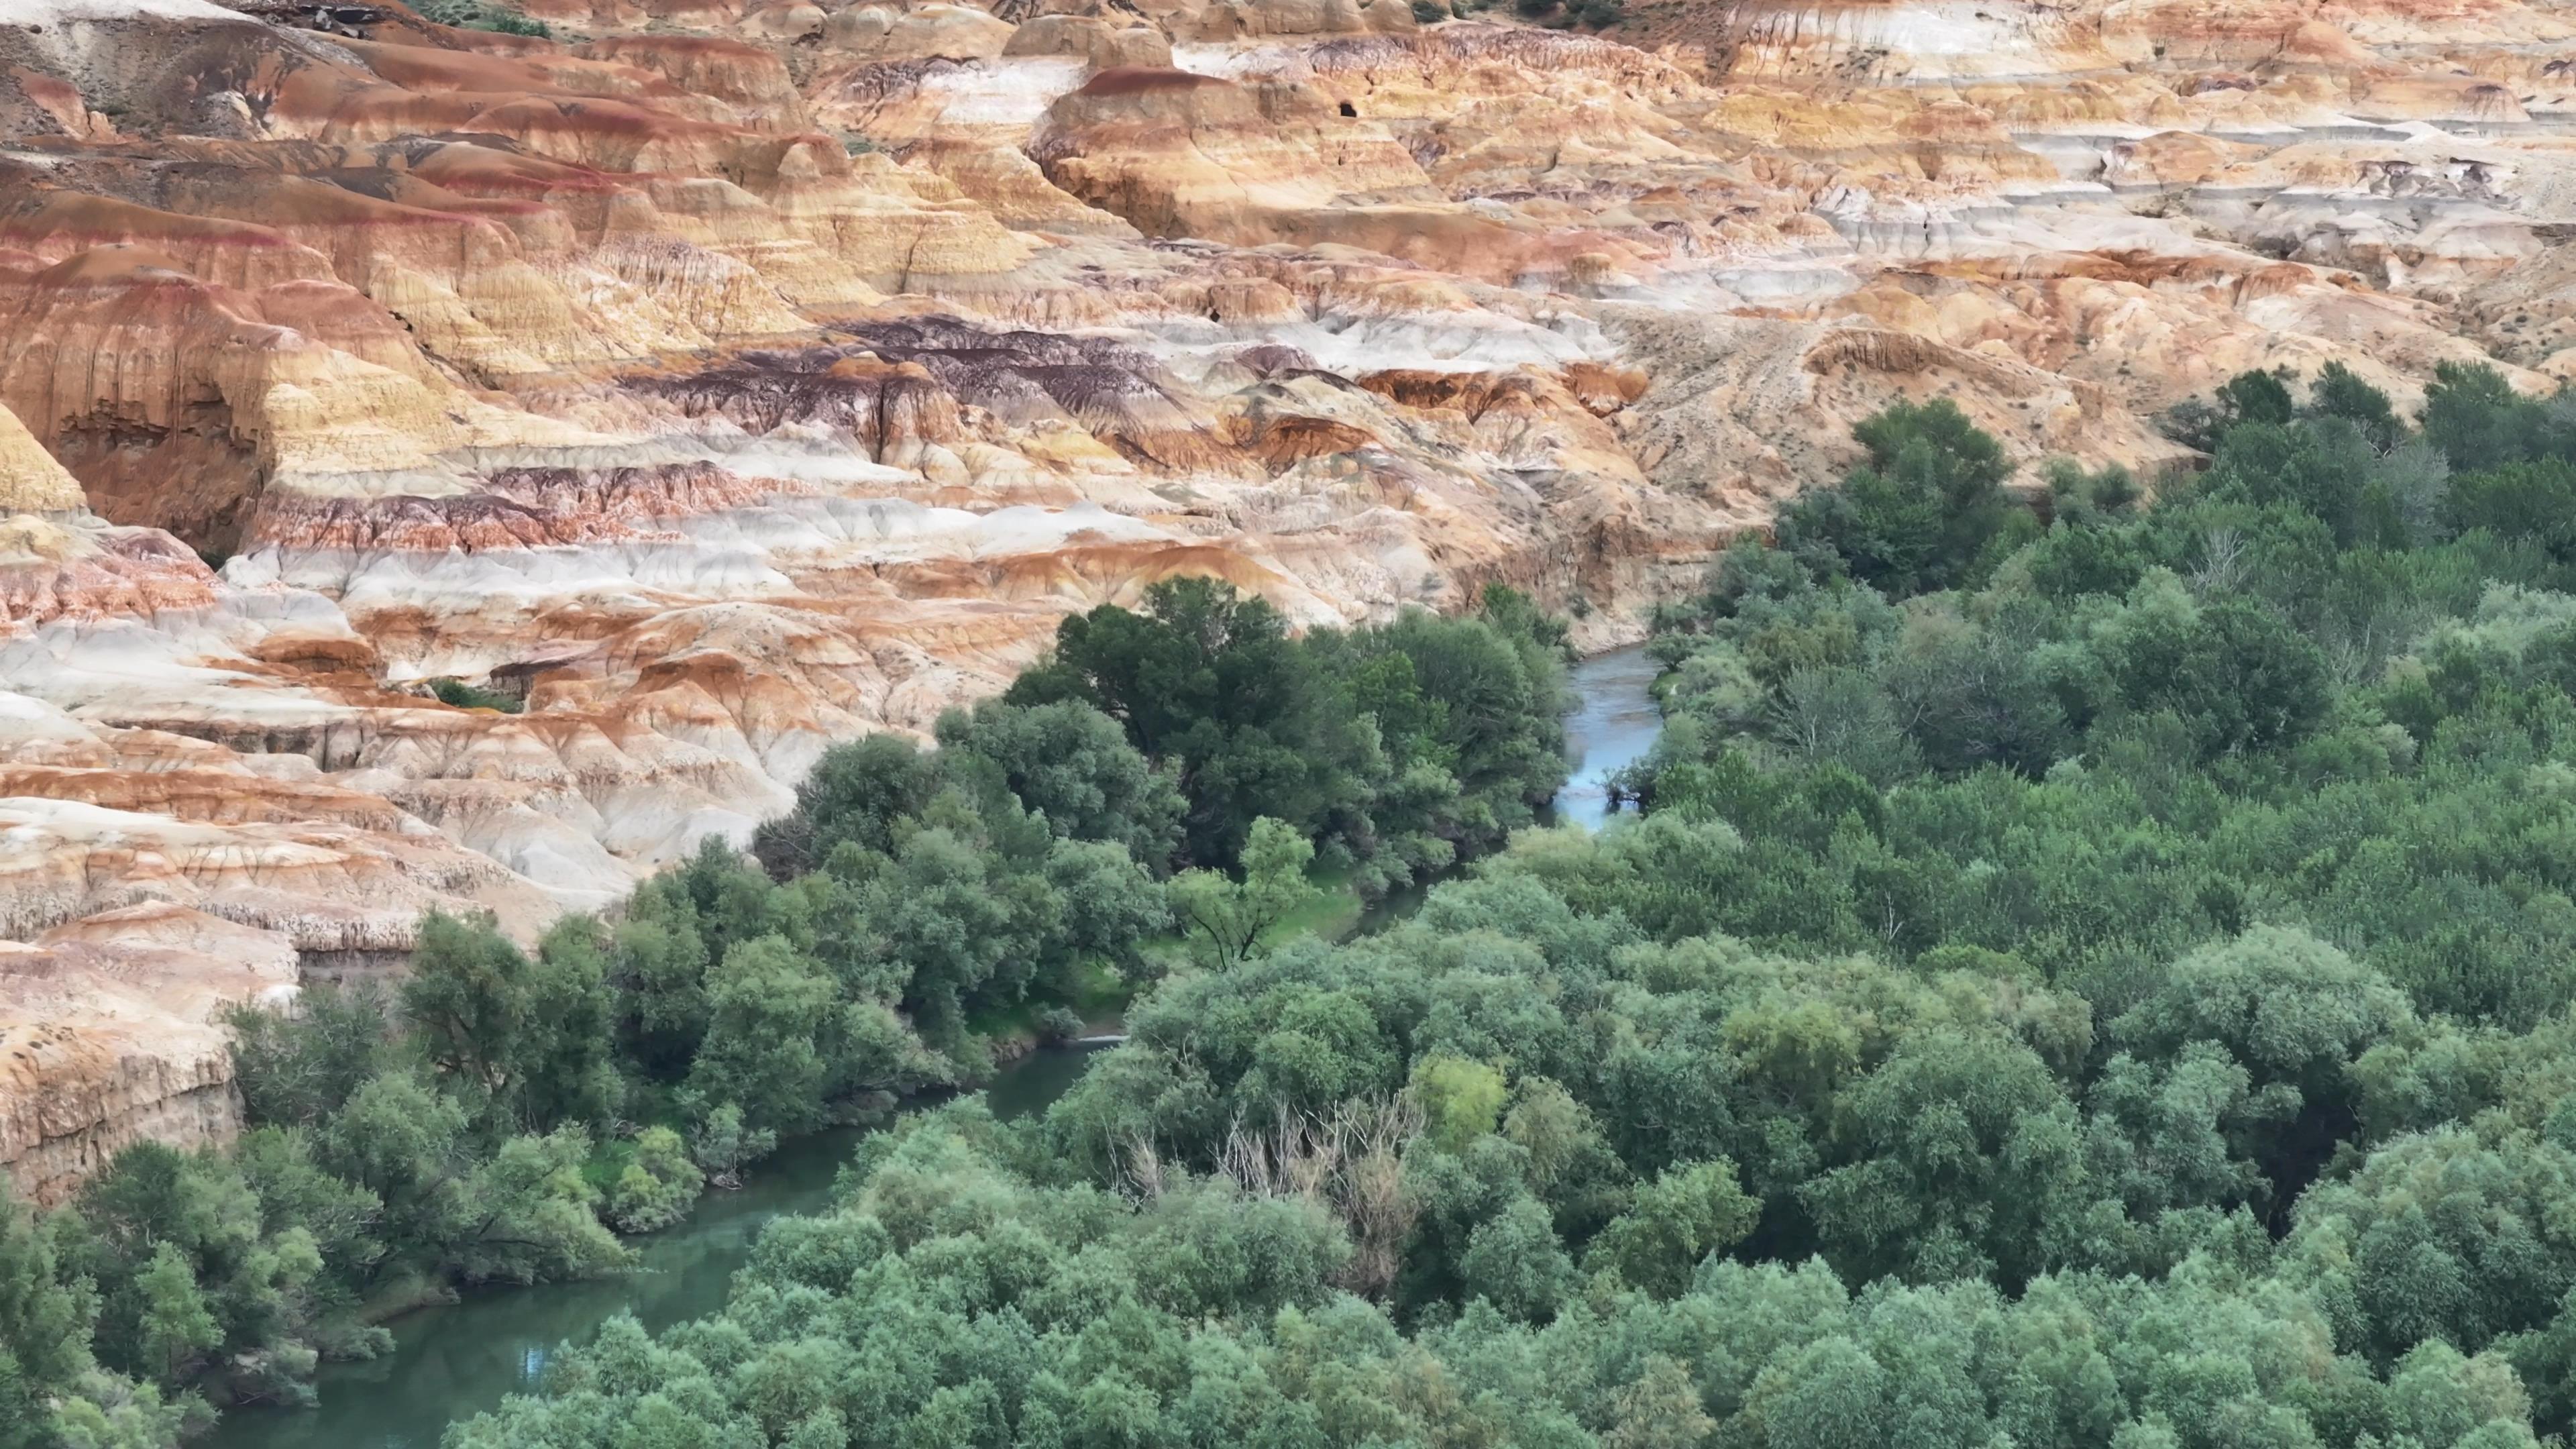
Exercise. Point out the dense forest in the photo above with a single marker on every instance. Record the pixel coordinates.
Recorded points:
(1166, 791)
(2093, 968)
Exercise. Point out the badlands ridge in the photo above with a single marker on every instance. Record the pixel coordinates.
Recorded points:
(726, 378)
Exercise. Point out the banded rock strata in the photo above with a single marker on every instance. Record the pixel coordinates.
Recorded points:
(729, 377)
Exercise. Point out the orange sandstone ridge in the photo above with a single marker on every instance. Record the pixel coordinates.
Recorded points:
(732, 377)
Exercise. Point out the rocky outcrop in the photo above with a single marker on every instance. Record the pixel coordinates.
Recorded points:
(110, 1033)
(717, 379)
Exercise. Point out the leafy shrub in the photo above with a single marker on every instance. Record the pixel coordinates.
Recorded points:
(461, 695)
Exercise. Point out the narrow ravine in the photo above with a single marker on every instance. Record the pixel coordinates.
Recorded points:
(454, 1361)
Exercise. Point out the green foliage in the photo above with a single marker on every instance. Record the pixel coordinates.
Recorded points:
(766, 1005)
(1685, 1214)
(1460, 1100)
(467, 997)
(723, 1146)
(1921, 516)
(1399, 746)
(2448, 1235)
(526, 1039)
(2118, 995)
(172, 1323)
(2521, 502)
(657, 1185)
(2249, 397)
(484, 15)
(2339, 392)
(1210, 681)
(854, 795)
(461, 695)
(2255, 397)
(1226, 919)
(44, 1327)
(2478, 421)
(1954, 1156)
(1071, 764)
(103, 1411)
(298, 1069)
(190, 1262)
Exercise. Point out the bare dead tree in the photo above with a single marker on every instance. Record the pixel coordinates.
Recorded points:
(1140, 1168)
(1350, 1164)
(2225, 558)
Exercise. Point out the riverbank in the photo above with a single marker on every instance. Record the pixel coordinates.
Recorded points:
(454, 1360)
(459, 1358)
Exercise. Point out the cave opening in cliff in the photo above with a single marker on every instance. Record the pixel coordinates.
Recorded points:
(1350, 110)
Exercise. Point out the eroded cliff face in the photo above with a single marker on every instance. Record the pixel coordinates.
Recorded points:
(732, 377)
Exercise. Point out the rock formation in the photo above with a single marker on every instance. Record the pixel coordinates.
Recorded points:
(725, 378)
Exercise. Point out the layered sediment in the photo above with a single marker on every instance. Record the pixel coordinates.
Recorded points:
(719, 380)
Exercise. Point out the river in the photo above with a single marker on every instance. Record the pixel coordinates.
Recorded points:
(459, 1359)
(1613, 725)
(454, 1361)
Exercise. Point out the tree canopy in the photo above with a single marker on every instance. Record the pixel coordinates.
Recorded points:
(2085, 976)
(2092, 969)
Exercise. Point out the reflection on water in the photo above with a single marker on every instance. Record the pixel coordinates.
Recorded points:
(1613, 725)
(455, 1361)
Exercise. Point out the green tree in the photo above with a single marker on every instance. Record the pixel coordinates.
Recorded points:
(966, 929)
(2293, 1012)
(657, 974)
(1514, 1261)
(2440, 1236)
(1659, 1409)
(1960, 1157)
(467, 998)
(1688, 1212)
(2478, 421)
(44, 1327)
(1209, 680)
(405, 1144)
(175, 1324)
(527, 1215)
(2256, 397)
(657, 1185)
(564, 1065)
(1108, 906)
(1226, 918)
(854, 795)
(2339, 392)
(1921, 516)
(766, 1004)
(2321, 468)
(724, 1145)
(2523, 501)
(1072, 764)
(2236, 675)
(298, 1066)
(1459, 1099)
